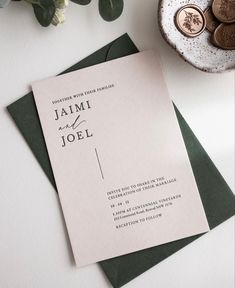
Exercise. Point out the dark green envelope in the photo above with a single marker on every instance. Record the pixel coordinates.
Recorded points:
(217, 198)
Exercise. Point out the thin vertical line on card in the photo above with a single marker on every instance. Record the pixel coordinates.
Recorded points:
(97, 156)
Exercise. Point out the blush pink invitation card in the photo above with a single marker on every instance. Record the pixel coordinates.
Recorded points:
(121, 167)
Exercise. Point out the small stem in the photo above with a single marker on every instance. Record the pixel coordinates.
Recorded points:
(111, 3)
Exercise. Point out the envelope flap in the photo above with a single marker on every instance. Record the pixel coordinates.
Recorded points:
(116, 49)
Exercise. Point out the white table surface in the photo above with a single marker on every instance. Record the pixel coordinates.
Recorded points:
(34, 246)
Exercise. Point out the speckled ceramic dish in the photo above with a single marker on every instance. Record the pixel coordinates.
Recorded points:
(198, 51)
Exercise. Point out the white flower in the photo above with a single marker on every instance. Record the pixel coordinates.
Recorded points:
(59, 17)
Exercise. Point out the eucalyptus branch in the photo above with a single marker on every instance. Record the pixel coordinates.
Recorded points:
(53, 11)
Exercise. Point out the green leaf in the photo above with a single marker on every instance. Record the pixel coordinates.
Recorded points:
(44, 11)
(110, 9)
(82, 2)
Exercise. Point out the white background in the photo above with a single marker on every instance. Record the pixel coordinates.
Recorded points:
(34, 247)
